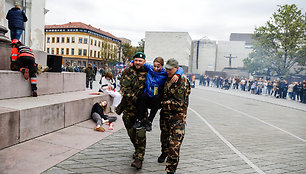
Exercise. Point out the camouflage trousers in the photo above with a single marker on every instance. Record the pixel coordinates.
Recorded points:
(172, 128)
(137, 136)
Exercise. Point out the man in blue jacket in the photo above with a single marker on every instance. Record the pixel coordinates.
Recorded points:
(16, 19)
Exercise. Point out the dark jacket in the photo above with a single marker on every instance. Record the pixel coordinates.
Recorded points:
(98, 109)
(16, 18)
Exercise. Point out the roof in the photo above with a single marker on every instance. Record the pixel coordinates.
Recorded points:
(83, 26)
(247, 37)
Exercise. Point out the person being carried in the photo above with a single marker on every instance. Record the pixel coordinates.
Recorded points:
(151, 98)
(108, 86)
(22, 57)
(98, 115)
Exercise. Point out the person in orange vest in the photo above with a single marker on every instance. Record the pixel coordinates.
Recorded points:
(24, 58)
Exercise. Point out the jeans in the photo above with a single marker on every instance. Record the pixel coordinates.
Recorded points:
(16, 33)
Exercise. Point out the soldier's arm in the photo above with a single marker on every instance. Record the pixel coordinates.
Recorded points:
(177, 99)
(126, 85)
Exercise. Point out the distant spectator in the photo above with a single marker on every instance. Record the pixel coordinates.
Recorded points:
(16, 18)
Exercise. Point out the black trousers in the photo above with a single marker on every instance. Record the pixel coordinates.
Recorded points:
(29, 62)
(144, 102)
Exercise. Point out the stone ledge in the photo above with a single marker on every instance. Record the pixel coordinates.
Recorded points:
(23, 119)
(13, 84)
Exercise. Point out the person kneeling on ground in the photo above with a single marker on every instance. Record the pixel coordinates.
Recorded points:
(98, 115)
(22, 57)
(108, 86)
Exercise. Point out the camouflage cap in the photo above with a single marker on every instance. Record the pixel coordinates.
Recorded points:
(171, 63)
(139, 55)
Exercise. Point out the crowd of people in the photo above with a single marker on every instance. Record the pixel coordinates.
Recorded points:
(278, 88)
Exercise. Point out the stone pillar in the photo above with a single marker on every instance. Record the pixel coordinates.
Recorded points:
(2, 12)
(3, 38)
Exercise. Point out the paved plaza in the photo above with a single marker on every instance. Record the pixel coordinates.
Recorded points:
(226, 132)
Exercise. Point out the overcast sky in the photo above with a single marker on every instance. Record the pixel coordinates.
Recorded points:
(215, 19)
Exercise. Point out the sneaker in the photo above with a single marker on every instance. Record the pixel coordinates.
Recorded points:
(137, 163)
(100, 129)
(162, 158)
(137, 125)
(34, 93)
(149, 126)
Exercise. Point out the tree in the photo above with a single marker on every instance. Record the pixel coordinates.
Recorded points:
(279, 45)
(140, 47)
(127, 52)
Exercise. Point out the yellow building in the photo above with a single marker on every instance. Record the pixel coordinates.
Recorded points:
(79, 43)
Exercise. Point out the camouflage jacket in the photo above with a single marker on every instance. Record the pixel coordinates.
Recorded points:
(132, 85)
(90, 73)
(176, 96)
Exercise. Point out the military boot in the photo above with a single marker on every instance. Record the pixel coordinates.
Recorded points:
(137, 163)
(162, 158)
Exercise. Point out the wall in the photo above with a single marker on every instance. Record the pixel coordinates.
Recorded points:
(206, 56)
(168, 45)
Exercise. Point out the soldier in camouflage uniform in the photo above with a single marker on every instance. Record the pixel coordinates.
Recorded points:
(132, 85)
(90, 74)
(173, 116)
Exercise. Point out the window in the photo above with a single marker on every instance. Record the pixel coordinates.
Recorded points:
(72, 51)
(80, 40)
(80, 52)
(62, 51)
(95, 54)
(90, 53)
(52, 51)
(95, 42)
(67, 51)
(85, 40)
(57, 40)
(53, 39)
(57, 50)
(48, 39)
(79, 63)
(63, 40)
(72, 40)
(84, 52)
(48, 50)
(98, 54)
(99, 43)
(90, 41)
(68, 39)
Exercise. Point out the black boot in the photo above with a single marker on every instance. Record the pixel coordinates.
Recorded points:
(162, 158)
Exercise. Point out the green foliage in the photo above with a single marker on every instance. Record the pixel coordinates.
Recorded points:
(280, 44)
(140, 47)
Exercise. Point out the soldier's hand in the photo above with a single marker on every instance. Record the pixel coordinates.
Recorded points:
(131, 64)
(174, 78)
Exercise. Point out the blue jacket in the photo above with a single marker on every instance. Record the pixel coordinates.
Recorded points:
(157, 79)
(16, 19)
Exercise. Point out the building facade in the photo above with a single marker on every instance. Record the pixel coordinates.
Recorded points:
(81, 44)
(168, 45)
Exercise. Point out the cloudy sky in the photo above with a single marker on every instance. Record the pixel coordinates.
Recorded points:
(215, 19)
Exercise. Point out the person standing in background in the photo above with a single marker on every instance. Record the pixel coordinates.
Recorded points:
(16, 18)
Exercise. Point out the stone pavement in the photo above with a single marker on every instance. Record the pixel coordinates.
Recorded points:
(224, 134)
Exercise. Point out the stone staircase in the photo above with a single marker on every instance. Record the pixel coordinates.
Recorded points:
(62, 102)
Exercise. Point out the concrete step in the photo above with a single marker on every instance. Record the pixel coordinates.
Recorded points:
(22, 119)
(39, 154)
(13, 84)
